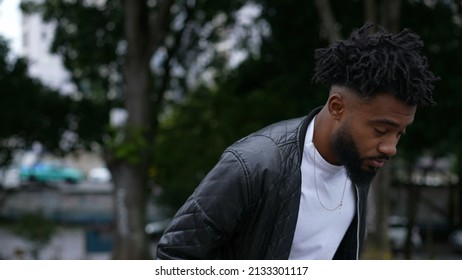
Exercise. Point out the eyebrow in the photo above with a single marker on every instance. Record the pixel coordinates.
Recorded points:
(387, 122)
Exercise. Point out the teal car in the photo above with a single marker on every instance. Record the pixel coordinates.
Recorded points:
(50, 172)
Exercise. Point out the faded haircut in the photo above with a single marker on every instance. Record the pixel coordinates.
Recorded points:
(369, 63)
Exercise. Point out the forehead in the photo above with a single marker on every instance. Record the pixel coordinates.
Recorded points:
(385, 108)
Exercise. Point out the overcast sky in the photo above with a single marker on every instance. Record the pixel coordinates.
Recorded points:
(10, 23)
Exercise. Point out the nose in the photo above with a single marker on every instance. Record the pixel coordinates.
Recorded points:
(388, 148)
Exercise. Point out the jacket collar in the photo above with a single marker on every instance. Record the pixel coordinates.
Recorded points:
(304, 128)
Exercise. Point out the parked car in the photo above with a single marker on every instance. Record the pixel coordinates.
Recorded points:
(99, 175)
(9, 177)
(47, 172)
(455, 240)
(397, 233)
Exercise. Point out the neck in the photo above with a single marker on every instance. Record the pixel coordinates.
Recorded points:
(323, 129)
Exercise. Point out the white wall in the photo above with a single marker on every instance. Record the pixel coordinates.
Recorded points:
(66, 244)
(37, 37)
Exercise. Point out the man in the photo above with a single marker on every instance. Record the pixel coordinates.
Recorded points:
(297, 189)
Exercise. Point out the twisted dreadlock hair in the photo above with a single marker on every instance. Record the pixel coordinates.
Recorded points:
(369, 63)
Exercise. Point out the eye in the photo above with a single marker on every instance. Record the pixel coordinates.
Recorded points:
(380, 131)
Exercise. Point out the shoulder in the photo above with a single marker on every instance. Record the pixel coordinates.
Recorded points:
(275, 134)
(267, 147)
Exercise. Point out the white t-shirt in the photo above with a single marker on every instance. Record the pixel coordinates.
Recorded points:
(319, 231)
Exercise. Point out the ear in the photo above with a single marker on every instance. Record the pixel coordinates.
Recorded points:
(336, 105)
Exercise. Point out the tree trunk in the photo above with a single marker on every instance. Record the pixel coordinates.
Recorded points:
(370, 12)
(143, 37)
(129, 206)
(129, 172)
(413, 195)
(381, 192)
(390, 13)
(328, 22)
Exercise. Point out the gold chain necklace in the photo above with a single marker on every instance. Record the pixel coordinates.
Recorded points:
(339, 206)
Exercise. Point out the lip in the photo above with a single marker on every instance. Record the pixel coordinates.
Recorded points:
(377, 163)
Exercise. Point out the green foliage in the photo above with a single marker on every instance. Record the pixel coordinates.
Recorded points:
(93, 50)
(129, 144)
(87, 38)
(274, 86)
(189, 141)
(271, 86)
(29, 111)
(33, 112)
(438, 129)
(34, 227)
(89, 119)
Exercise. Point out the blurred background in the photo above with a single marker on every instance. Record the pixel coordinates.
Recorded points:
(111, 112)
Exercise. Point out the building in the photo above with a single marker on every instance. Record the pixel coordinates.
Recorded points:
(37, 37)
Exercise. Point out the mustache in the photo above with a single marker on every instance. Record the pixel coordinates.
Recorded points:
(381, 157)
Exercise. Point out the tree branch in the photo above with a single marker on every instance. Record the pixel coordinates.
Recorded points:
(160, 27)
(390, 15)
(370, 13)
(328, 21)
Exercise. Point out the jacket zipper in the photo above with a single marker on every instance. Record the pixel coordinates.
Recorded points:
(358, 223)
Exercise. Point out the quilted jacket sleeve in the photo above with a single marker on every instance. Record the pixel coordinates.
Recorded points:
(212, 213)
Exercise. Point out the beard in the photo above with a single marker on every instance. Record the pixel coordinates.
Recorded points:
(347, 151)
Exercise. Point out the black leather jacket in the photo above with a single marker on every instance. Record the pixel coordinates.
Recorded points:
(247, 206)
